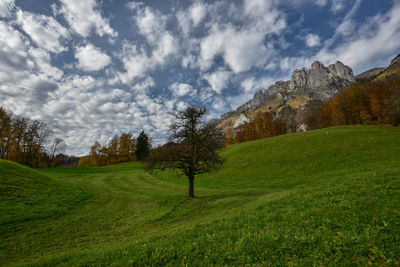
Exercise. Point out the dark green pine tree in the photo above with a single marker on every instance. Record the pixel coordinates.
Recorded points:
(142, 146)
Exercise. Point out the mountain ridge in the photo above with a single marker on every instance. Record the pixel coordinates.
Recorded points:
(317, 83)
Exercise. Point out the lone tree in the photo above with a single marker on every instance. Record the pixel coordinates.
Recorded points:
(142, 146)
(192, 147)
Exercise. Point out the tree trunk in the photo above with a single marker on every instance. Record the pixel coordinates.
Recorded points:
(190, 186)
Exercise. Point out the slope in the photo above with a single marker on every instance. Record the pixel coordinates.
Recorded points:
(28, 195)
(325, 197)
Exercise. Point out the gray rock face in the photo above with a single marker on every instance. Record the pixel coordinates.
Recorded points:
(318, 82)
(321, 78)
(240, 121)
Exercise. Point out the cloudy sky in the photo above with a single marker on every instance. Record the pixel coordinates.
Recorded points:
(92, 69)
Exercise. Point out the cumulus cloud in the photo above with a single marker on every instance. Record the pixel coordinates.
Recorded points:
(152, 25)
(192, 17)
(12, 50)
(5, 8)
(312, 40)
(218, 80)
(241, 50)
(245, 47)
(136, 60)
(91, 58)
(85, 17)
(337, 5)
(45, 31)
(181, 89)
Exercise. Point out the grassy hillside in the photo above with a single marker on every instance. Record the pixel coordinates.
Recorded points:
(329, 196)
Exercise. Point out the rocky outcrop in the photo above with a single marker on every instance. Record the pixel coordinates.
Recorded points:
(318, 82)
(240, 121)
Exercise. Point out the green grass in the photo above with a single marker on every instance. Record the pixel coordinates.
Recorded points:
(325, 197)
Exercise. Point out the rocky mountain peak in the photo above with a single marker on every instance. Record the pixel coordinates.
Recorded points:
(321, 77)
(318, 82)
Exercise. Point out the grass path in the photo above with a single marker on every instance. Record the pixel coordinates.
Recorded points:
(330, 196)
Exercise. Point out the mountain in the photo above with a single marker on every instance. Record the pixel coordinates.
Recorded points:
(290, 97)
(318, 82)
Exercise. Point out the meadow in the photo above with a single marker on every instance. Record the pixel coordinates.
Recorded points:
(323, 197)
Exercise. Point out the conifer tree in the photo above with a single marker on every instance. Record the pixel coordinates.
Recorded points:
(142, 146)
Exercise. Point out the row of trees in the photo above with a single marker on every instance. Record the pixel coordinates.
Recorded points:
(263, 125)
(375, 102)
(27, 141)
(121, 148)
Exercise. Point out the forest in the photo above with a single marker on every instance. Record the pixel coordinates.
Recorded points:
(31, 142)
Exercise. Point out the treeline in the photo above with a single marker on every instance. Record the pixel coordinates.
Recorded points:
(263, 125)
(27, 142)
(121, 148)
(375, 102)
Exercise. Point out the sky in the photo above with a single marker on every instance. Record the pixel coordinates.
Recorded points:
(92, 69)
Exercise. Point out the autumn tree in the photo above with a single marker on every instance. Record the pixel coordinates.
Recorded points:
(58, 146)
(126, 147)
(192, 147)
(261, 126)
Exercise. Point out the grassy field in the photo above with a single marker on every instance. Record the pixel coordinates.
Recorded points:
(325, 197)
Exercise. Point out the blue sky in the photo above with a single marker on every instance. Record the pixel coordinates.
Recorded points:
(92, 69)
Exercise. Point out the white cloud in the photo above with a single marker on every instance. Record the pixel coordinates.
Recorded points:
(91, 58)
(166, 46)
(197, 12)
(312, 40)
(241, 50)
(243, 47)
(218, 80)
(85, 17)
(135, 61)
(263, 16)
(5, 8)
(345, 27)
(43, 64)
(181, 105)
(218, 104)
(45, 31)
(337, 5)
(251, 84)
(374, 41)
(192, 17)
(181, 89)
(152, 25)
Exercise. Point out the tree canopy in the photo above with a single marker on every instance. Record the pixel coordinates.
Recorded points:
(192, 147)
